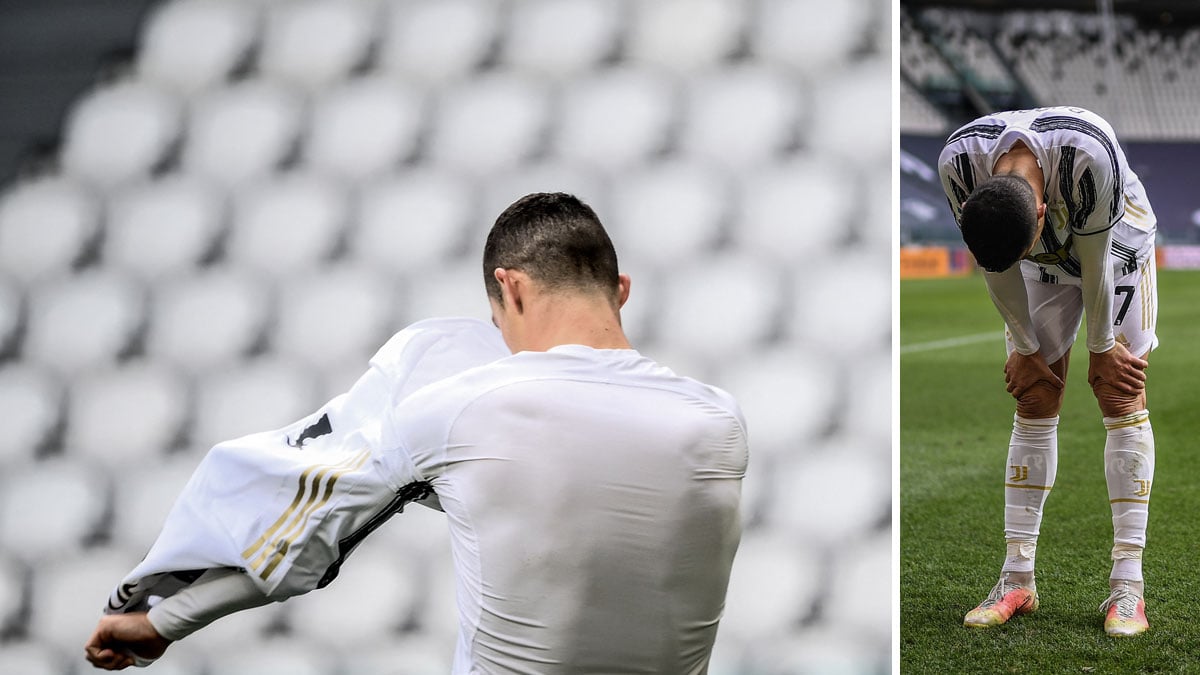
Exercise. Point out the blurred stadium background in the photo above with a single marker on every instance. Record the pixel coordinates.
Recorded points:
(1137, 64)
(214, 211)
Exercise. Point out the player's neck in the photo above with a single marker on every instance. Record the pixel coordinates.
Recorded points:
(1020, 161)
(586, 320)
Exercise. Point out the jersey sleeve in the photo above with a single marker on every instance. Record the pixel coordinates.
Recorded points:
(1008, 293)
(1094, 194)
(955, 184)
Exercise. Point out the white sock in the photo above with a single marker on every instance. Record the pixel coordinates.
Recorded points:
(1029, 475)
(1129, 471)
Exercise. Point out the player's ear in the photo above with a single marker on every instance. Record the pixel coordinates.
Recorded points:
(623, 283)
(511, 289)
(1041, 210)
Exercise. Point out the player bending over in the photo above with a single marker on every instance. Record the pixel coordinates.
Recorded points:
(1050, 209)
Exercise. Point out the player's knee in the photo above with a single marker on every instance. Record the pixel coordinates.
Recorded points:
(1114, 403)
(1040, 401)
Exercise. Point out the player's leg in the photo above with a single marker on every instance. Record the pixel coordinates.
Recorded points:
(1129, 455)
(1032, 457)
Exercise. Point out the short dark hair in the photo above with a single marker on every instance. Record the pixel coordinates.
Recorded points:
(554, 238)
(999, 221)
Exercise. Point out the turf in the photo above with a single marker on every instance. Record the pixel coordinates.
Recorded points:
(955, 419)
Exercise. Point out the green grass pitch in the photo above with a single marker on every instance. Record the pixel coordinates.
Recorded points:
(955, 419)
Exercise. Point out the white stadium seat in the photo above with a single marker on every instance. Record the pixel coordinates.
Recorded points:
(69, 593)
(365, 126)
(120, 132)
(809, 35)
(686, 34)
(46, 226)
(407, 655)
(84, 321)
(12, 590)
(670, 212)
(11, 314)
(144, 493)
(832, 493)
(785, 391)
(373, 596)
(616, 118)
(33, 400)
(242, 132)
(845, 121)
(32, 658)
(273, 656)
(742, 117)
(562, 37)
(334, 314)
(438, 40)
(551, 176)
(774, 583)
(208, 320)
(51, 509)
(492, 124)
(843, 304)
(312, 43)
(795, 210)
(718, 305)
(871, 382)
(190, 45)
(455, 289)
(862, 588)
(264, 394)
(124, 416)
(164, 227)
(288, 224)
(413, 220)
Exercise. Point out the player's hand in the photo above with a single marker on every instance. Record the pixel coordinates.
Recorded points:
(119, 637)
(1022, 372)
(1124, 371)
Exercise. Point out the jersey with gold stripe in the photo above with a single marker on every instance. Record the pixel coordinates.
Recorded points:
(1089, 186)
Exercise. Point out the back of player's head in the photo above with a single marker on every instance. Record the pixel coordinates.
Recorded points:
(557, 240)
(999, 221)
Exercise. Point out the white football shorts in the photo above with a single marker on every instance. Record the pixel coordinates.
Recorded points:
(1057, 312)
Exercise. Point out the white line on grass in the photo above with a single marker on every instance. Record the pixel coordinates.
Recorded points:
(950, 342)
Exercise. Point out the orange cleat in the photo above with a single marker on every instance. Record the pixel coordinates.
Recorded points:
(1006, 600)
(1125, 612)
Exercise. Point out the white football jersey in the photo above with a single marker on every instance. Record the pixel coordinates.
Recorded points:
(592, 497)
(1089, 186)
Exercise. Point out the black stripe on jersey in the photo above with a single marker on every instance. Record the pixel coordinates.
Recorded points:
(962, 166)
(405, 495)
(981, 130)
(1046, 277)
(1076, 124)
(1127, 254)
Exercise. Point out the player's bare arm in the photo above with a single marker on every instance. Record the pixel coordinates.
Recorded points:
(118, 638)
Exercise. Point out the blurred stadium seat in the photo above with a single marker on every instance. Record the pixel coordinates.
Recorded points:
(120, 132)
(125, 416)
(314, 43)
(207, 320)
(162, 227)
(242, 131)
(616, 118)
(240, 219)
(34, 401)
(85, 321)
(46, 226)
(191, 45)
(365, 126)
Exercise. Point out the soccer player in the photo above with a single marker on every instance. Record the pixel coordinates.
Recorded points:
(1049, 207)
(592, 495)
